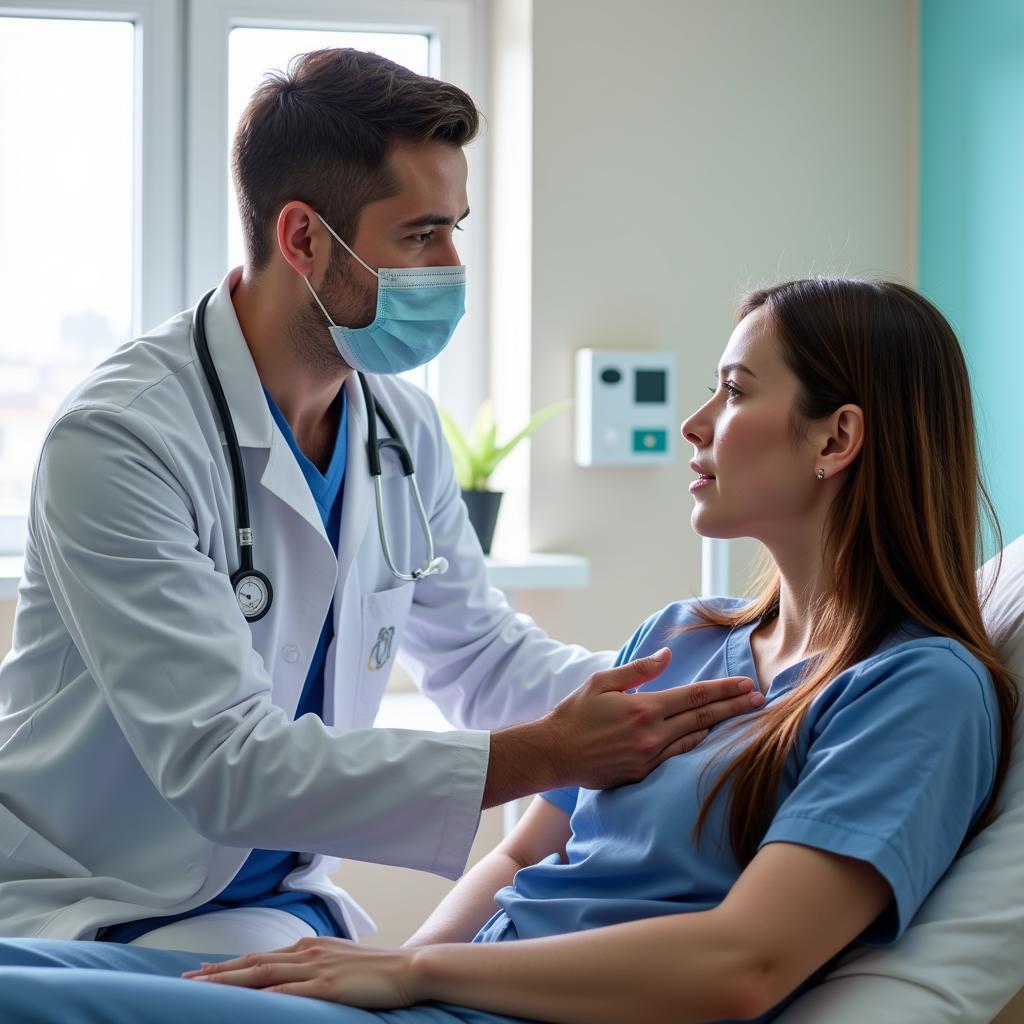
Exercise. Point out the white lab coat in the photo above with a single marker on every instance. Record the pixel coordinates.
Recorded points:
(147, 740)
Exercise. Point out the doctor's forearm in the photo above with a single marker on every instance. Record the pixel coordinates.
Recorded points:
(523, 760)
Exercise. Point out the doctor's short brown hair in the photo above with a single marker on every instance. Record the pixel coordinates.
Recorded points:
(322, 131)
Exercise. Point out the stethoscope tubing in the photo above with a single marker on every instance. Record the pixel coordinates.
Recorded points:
(373, 449)
(228, 424)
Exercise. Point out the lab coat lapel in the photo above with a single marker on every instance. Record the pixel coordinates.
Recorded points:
(283, 478)
(358, 499)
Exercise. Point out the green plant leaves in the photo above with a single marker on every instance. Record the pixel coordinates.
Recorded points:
(536, 420)
(483, 430)
(462, 455)
(477, 456)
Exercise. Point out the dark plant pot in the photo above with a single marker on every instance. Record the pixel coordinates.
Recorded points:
(482, 507)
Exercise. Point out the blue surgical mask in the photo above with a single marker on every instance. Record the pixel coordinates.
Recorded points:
(418, 309)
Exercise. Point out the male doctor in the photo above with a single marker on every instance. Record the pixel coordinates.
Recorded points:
(185, 752)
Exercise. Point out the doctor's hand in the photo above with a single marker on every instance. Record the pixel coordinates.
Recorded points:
(324, 968)
(605, 737)
(600, 736)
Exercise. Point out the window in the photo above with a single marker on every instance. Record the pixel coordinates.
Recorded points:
(68, 253)
(115, 199)
(67, 264)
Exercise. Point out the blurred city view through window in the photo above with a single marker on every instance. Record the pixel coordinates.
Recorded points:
(66, 205)
(68, 177)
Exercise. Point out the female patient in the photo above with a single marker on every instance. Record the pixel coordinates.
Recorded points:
(840, 434)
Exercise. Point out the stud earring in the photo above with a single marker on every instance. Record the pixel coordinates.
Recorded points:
(820, 474)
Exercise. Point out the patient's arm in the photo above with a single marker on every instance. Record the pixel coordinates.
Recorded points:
(790, 911)
(960, 959)
(542, 830)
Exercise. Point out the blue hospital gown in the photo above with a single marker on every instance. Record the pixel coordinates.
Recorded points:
(895, 760)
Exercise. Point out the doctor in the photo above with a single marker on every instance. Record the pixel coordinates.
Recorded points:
(211, 606)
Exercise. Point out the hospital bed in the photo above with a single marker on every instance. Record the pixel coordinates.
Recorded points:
(962, 958)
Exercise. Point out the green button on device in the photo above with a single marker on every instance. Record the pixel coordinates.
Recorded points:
(650, 441)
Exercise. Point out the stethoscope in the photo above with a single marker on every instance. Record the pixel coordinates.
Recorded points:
(253, 589)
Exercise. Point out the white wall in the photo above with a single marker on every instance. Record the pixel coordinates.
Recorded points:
(682, 151)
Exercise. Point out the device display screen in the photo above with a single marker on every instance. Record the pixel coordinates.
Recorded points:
(649, 386)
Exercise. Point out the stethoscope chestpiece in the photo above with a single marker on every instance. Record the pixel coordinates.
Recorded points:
(253, 593)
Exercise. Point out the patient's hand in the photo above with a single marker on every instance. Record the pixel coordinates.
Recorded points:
(323, 968)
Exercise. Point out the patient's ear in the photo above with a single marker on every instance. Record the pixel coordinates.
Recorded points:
(838, 439)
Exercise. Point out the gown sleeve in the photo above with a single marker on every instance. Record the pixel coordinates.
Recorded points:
(895, 771)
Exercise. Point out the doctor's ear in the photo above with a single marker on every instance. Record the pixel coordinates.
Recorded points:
(837, 440)
(302, 240)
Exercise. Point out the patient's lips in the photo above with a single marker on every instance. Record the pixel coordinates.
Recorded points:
(704, 476)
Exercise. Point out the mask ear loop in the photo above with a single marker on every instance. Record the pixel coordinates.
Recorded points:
(341, 241)
(323, 308)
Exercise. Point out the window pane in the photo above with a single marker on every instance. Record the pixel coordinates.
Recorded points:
(254, 51)
(66, 215)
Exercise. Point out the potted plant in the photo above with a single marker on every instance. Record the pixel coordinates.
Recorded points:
(476, 455)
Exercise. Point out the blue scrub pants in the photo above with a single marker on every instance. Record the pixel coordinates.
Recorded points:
(49, 981)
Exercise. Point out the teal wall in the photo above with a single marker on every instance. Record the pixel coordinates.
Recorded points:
(972, 215)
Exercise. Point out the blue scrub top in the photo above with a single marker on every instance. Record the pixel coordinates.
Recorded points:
(256, 884)
(895, 760)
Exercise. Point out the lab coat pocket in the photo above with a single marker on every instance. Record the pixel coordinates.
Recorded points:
(384, 617)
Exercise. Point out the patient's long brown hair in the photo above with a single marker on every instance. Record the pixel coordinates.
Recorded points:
(905, 531)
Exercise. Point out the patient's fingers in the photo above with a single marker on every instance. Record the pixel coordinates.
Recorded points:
(286, 955)
(308, 948)
(265, 974)
(311, 988)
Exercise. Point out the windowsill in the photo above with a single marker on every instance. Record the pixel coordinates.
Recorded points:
(538, 572)
(530, 572)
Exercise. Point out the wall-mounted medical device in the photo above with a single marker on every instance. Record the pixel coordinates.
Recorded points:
(625, 407)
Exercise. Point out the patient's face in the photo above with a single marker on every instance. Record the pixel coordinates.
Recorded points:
(760, 466)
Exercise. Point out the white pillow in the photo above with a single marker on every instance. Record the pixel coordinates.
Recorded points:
(962, 958)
